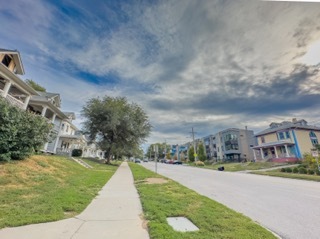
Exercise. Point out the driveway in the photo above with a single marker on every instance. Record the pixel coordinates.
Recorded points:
(288, 207)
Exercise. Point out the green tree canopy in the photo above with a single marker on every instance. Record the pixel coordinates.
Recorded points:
(35, 85)
(163, 149)
(201, 154)
(191, 154)
(116, 125)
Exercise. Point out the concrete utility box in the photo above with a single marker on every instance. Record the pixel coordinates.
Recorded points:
(182, 224)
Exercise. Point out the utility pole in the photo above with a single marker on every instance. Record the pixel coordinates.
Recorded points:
(194, 146)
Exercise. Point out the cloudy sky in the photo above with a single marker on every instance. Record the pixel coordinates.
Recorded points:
(210, 64)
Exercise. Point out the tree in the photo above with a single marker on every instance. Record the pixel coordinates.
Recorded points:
(191, 154)
(116, 125)
(163, 150)
(201, 154)
(35, 85)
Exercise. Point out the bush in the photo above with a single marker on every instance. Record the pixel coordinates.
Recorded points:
(199, 163)
(295, 170)
(76, 152)
(302, 166)
(317, 172)
(283, 170)
(310, 171)
(21, 132)
(289, 170)
(302, 171)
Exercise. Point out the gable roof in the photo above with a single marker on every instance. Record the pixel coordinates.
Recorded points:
(276, 127)
(70, 115)
(17, 59)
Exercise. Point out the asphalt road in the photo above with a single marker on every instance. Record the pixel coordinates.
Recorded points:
(288, 207)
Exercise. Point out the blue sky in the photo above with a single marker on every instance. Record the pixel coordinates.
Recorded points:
(205, 64)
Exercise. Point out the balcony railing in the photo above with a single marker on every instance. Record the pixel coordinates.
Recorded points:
(14, 101)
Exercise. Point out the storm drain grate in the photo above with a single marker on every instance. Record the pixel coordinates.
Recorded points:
(182, 224)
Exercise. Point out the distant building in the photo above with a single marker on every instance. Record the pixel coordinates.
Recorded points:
(233, 145)
(286, 141)
(229, 145)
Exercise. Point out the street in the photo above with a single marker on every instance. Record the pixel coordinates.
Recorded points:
(288, 207)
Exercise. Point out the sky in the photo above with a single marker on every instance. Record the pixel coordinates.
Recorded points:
(207, 64)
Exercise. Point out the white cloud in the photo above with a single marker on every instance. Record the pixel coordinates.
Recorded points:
(185, 52)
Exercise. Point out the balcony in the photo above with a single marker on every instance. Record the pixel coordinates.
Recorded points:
(13, 101)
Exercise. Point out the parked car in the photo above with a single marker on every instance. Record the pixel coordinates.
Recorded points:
(145, 160)
(177, 162)
(137, 161)
(169, 161)
(163, 160)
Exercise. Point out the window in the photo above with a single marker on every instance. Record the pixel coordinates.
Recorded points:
(313, 138)
(287, 134)
(231, 141)
(6, 60)
(281, 135)
(263, 139)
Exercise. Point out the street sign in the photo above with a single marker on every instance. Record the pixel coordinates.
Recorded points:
(315, 154)
(195, 155)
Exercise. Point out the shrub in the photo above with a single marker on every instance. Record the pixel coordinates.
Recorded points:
(21, 132)
(302, 166)
(317, 172)
(199, 163)
(310, 171)
(283, 170)
(302, 171)
(289, 170)
(295, 170)
(76, 152)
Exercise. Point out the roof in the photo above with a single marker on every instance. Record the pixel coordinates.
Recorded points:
(288, 125)
(276, 143)
(70, 114)
(17, 59)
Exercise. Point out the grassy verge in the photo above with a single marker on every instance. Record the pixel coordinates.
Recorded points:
(47, 188)
(277, 173)
(214, 220)
(234, 167)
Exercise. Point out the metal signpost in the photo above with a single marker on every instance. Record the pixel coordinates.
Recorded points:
(155, 149)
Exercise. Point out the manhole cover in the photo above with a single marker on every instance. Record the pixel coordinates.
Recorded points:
(182, 224)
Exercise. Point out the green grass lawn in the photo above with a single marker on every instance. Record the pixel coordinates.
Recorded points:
(277, 173)
(234, 167)
(160, 201)
(47, 188)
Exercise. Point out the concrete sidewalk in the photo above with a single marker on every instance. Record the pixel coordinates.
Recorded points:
(113, 214)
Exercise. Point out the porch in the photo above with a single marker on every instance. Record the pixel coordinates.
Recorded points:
(13, 94)
(67, 143)
(279, 151)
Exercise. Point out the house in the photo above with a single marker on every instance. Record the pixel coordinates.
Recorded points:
(12, 88)
(92, 151)
(286, 141)
(64, 135)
